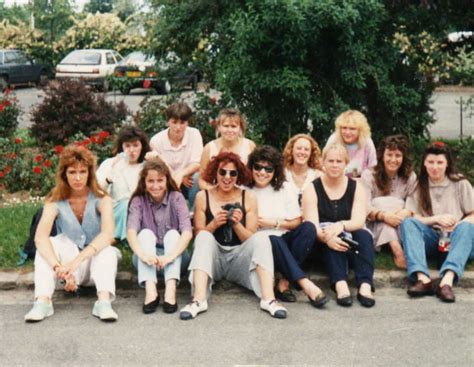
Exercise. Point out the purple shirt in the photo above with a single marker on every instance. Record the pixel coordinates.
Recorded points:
(171, 213)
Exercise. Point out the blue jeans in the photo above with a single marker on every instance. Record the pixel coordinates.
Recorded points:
(190, 192)
(173, 270)
(421, 241)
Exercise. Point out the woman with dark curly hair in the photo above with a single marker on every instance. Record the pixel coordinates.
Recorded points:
(119, 174)
(388, 185)
(226, 245)
(279, 216)
(302, 163)
(443, 224)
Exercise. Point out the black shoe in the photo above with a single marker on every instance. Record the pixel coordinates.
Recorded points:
(152, 306)
(344, 301)
(365, 301)
(319, 301)
(285, 296)
(170, 308)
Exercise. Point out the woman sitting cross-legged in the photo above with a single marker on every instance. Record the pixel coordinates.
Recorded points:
(158, 231)
(279, 216)
(336, 204)
(388, 185)
(226, 245)
(443, 205)
(80, 254)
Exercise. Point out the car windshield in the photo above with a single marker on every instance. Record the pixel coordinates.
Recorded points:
(82, 58)
(138, 57)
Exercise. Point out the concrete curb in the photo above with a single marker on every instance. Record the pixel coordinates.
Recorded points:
(128, 280)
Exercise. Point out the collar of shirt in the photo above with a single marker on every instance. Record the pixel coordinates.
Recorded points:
(443, 183)
(167, 143)
(153, 203)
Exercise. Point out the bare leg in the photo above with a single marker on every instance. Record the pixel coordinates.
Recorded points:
(365, 290)
(150, 291)
(398, 255)
(266, 283)
(283, 284)
(44, 299)
(200, 279)
(342, 289)
(170, 291)
(423, 277)
(309, 288)
(447, 279)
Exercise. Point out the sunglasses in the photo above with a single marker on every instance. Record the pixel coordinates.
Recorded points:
(258, 167)
(223, 172)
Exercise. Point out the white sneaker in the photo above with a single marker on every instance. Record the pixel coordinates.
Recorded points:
(191, 310)
(103, 310)
(39, 311)
(274, 308)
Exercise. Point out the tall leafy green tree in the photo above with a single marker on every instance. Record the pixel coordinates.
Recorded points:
(98, 6)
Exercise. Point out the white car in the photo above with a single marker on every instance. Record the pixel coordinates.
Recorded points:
(90, 65)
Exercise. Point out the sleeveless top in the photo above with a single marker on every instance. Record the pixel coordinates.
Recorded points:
(219, 232)
(334, 210)
(80, 233)
(243, 150)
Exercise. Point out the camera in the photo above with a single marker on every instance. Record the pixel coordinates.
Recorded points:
(353, 245)
(230, 209)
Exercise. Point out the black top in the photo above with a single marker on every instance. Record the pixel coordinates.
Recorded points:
(219, 232)
(334, 210)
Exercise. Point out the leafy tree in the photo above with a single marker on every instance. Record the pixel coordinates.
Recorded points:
(52, 16)
(295, 65)
(98, 6)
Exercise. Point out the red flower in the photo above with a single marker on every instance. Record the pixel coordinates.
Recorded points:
(7, 103)
(439, 144)
(213, 100)
(93, 139)
(37, 158)
(1, 174)
(37, 170)
(11, 155)
(85, 142)
(8, 169)
(58, 149)
(213, 123)
(47, 163)
(147, 83)
(2, 107)
(104, 134)
(18, 141)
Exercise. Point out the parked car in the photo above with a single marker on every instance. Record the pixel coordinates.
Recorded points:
(17, 68)
(93, 66)
(140, 70)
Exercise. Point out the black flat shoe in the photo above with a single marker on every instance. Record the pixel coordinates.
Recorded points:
(344, 301)
(319, 301)
(285, 296)
(365, 301)
(152, 306)
(170, 308)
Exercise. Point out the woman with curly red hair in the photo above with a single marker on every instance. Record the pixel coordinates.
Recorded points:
(226, 245)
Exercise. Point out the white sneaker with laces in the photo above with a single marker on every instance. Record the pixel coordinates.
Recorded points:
(191, 310)
(39, 311)
(274, 308)
(103, 310)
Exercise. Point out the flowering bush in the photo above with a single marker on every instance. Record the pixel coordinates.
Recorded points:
(9, 112)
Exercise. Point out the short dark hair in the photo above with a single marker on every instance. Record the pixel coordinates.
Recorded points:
(269, 154)
(132, 133)
(179, 111)
(210, 174)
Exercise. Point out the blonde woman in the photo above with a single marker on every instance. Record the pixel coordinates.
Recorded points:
(302, 163)
(230, 132)
(353, 131)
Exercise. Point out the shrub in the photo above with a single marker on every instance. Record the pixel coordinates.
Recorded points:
(69, 107)
(9, 112)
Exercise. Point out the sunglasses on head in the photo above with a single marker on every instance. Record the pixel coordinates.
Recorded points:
(223, 172)
(258, 167)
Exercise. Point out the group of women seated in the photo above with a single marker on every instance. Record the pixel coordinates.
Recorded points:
(259, 216)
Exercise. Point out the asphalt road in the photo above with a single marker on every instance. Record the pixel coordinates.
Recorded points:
(445, 106)
(398, 331)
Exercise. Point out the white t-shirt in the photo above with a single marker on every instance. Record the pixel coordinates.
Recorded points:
(281, 204)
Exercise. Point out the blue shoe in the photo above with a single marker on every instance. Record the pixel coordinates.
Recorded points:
(39, 311)
(103, 310)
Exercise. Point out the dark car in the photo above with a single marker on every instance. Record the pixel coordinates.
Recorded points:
(139, 70)
(17, 68)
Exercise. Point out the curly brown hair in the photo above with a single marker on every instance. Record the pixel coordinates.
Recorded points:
(70, 156)
(269, 154)
(210, 174)
(392, 142)
(313, 162)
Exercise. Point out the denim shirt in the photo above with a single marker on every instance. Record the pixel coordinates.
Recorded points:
(80, 233)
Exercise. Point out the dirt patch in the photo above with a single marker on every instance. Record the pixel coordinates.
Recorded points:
(7, 198)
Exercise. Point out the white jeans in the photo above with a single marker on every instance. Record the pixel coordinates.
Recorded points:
(100, 270)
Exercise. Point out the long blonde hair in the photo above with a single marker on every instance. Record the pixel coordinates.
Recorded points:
(353, 118)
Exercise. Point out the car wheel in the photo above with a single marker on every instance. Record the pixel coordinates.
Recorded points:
(42, 80)
(3, 83)
(164, 88)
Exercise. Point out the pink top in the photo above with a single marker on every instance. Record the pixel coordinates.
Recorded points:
(178, 158)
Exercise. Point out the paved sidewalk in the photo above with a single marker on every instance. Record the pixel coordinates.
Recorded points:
(128, 280)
